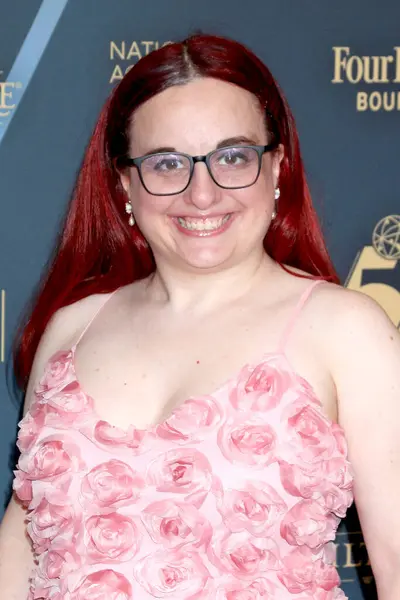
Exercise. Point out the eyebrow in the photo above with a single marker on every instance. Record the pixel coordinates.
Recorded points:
(232, 141)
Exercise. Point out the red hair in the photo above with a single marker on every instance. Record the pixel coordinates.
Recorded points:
(97, 250)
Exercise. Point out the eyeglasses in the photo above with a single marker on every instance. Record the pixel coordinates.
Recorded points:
(169, 173)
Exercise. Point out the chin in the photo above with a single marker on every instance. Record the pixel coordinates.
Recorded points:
(206, 261)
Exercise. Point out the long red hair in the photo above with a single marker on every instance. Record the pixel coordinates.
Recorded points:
(97, 250)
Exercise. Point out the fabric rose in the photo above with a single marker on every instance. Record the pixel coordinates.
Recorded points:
(330, 482)
(54, 460)
(336, 594)
(43, 589)
(338, 471)
(22, 486)
(321, 594)
(67, 407)
(29, 428)
(59, 372)
(175, 524)
(53, 518)
(111, 538)
(336, 493)
(59, 561)
(111, 437)
(337, 500)
(329, 552)
(191, 420)
(250, 441)
(301, 479)
(308, 432)
(303, 571)
(307, 523)
(110, 485)
(47, 592)
(341, 444)
(182, 471)
(260, 388)
(102, 585)
(256, 508)
(173, 574)
(242, 555)
(259, 589)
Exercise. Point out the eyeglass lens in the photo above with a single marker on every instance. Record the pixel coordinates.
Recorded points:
(169, 172)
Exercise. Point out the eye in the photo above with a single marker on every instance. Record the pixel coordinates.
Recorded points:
(234, 157)
(168, 163)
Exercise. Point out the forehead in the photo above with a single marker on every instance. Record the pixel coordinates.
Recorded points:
(194, 117)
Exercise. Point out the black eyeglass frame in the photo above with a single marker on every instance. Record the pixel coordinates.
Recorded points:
(127, 161)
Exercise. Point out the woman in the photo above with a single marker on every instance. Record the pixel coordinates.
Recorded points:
(189, 401)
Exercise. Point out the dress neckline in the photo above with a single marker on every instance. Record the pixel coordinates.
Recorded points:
(230, 382)
(278, 354)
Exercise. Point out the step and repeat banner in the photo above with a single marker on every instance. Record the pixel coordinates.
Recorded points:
(339, 66)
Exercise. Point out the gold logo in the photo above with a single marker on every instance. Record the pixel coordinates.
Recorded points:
(128, 54)
(369, 70)
(7, 101)
(383, 255)
(386, 237)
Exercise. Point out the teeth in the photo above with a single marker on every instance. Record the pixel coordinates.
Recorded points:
(202, 224)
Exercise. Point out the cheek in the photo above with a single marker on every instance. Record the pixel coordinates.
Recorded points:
(259, 196)
(141, 200)
(146, 206)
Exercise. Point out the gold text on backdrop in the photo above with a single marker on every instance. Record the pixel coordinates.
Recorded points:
(7, 102)
(128, 53)
(349, 544)
(367, 70)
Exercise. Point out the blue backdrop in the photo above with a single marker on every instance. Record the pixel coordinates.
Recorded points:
(339, 65)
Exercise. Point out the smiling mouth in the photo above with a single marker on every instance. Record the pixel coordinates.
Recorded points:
(209, 224)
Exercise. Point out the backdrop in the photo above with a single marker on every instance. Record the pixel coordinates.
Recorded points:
(339, 65)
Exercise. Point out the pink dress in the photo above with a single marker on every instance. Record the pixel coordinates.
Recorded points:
(237, 495)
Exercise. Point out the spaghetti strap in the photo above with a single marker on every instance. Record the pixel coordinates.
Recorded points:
(297, 310)
(102, 305)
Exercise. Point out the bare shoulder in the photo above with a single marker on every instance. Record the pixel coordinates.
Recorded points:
(342, 321)
(61, 333)
(354, 333)
(348, 314)
(67, 323)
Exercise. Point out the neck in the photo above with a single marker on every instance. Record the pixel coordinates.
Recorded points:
(205, 290)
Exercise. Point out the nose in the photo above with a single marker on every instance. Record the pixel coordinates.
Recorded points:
(202, 191)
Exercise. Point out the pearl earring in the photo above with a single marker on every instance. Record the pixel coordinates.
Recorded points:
(273, 215)
(277, 193)
(129, 211)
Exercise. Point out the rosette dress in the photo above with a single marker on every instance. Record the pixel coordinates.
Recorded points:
(237, 495)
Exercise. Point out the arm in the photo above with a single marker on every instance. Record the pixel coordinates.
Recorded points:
(364, 356)
(16, 555)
